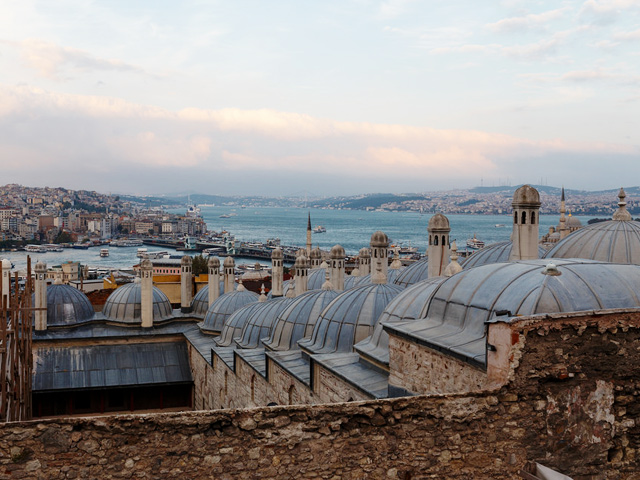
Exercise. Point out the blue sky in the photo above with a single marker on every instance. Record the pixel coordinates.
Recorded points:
(332, 97)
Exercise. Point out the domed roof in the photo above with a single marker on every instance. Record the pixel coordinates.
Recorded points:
(494, 253)
(67, 306)
(224, 306)
(286, 285)
(234, 325)
(277, 253)
(411, 304)
(379, 239)
(337, 251)
(392, 274)
(572, 222)
(612, 241)
(455, 320)
(124, 304)
(349, 318)
(315, 253)
(229, 262)
(350, 281)
(438, 222)
(414, 273)
(364, 253)
(260, 321)
(200, 302)
(297, 320)
(316, 278)
(526, 195)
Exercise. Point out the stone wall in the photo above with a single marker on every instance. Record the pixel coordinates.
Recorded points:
(571, 402)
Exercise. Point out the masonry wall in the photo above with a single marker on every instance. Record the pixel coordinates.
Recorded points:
(572, 402)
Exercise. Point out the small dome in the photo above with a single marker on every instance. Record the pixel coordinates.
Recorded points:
(124, 304)
(200, 302)
(349, 318)
(315, 254)
(379, 239)
(413, 273)
(301, 262)
(224, 306)
(526, 195)
(392, 275)
(572, 222)
(234, 325)
(455, 320)
(6, 264)
(186, 260)
(613, 241)
(277, 253)
(438, 222)
(229, 262)
(316, 278)
(297, 320)
(364, 253)
(494, 253)
(337, 252)
(213, 262)
(409, 305)
(260, 321)
(67, 306)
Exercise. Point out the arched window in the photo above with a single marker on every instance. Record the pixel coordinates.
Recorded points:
(253, 388)
(226, 381)
(292, 390)
(524, 218)
(515, 217)
(444, 241)
(435, 239)
(533, 218)
(430, 240)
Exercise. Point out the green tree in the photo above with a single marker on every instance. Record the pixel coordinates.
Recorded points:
(199, 265)
(63, 237)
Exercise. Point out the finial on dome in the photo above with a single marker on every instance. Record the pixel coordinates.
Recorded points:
(327, 283)
(291, 290)
(453, 267)
(57, 281)
(263, 297)
(622, 213)
(324, 264)
(240, 286)
(378, 277)
(551, 269)
(396, 264)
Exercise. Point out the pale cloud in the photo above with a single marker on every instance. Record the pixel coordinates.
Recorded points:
(52, 61)
(628, 36)
(587, 75)
(526, 22)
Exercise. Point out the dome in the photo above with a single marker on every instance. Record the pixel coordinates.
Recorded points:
(67, 306)
(224, 306)
(277, 253)
(297, 320)
(379, 239)
(229, 262)
(349, 318)
(409, 305)
(392, 274)
(286, 285)
(455, 320)
(350, 281)
(315, 254)
(6, 264)
(234, 325)
(260, 321)
(200, 302)
(612, 241)
(494, 253)
(316, 278)
(124, 304)
(414, 273)
(438, 222)
(572, 222)
(526, 195)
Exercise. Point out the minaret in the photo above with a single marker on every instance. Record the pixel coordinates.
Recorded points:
(337, 268)
(563, 221)
(186, 283)
(622, 214)
(41, 296)
(364, 262)
(6, 281)
(301, 268)
(146, 292)
(214, 279)
(277, 272)
(438, 249)
(379, 254)
(229, 266)
(316, 257)
(526, 223)
(309, 235)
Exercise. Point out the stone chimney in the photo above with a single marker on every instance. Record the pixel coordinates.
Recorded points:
(438, 249)
(229, 266)
(214, 279)
(41, 296)
(301, 268)
(277, 272)
(186, 283)
(336, 264)
(146, 293)
(526, 224)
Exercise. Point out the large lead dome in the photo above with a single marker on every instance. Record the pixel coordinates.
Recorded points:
(67, 306)
(124, 304)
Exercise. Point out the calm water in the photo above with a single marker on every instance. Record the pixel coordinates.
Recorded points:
(349, 228)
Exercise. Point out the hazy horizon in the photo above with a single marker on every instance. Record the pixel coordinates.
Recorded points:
(329, 98)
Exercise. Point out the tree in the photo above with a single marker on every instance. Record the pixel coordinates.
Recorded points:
(199, 265)
(63, 237)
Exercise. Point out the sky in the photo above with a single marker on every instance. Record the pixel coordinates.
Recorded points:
(319, 98)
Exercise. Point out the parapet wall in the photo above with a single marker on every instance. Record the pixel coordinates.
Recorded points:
(572, 403)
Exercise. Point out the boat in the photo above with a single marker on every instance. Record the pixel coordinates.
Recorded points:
(475, 243)
(225, 215)
(35, 249)
(499, 225)
(319, 229)
(52, 247)
(104, 252)
(80, 246)
(141, 252)
(127, 243)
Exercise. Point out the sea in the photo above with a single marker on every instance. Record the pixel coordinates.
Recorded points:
(350, 228)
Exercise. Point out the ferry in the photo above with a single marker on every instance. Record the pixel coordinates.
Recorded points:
(141, 252)
(225, 215)
(499, 225)
(127, 243)
(475, 243)
(35, 249)
(104, 252)
(52, 247)
(81, 246)
(319, 229)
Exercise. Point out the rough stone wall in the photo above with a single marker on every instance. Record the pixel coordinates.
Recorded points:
(419, 369)
(287, 390)
(330, 389)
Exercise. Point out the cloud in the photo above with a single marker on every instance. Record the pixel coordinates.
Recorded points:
(109, 144)
(526, 22)
(51, 60)
(628, 36)
(586, 75)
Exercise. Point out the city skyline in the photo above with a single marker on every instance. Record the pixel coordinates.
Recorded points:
(331, 98)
